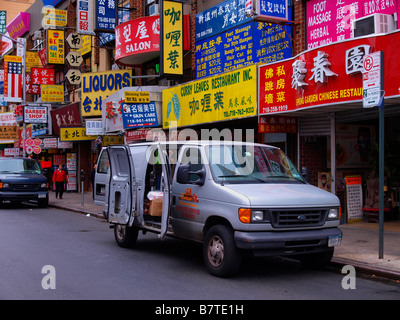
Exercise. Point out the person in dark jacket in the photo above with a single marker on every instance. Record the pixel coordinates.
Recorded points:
(59, 178)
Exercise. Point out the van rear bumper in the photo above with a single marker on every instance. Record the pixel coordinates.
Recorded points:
(286, 242)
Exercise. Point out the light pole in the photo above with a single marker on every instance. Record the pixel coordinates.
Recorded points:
(23, 102)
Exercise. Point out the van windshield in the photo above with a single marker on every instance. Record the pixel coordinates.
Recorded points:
(13, 165)
(251, 164)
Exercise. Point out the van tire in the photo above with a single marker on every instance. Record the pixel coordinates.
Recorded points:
(221, 256)
(125, 236)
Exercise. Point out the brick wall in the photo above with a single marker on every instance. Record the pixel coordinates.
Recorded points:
(299, 27)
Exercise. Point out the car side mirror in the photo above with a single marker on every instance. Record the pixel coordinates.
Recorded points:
(183, 175)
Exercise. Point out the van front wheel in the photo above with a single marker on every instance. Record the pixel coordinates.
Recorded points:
(125, 236)
(221, 256)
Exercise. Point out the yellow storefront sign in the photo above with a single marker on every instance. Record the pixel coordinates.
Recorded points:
(96, 86)
(54, 17)
(173, 37)
(52, 93)
(75, 134)
(55, 47)
(32, 60)
(86, 46)
(227, 96)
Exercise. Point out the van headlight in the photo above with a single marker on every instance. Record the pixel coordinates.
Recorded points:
(247, 215)
(334, 214)
(43, 185)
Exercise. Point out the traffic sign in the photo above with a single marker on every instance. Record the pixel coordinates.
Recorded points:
(372, 79)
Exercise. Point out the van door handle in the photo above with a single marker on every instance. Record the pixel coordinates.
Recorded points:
(173, 201)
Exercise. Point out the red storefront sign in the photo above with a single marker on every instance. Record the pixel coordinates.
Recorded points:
(68, 116)
(277, 124)
(31, 88)
(327, 75)
(138, 40)
(42, 76)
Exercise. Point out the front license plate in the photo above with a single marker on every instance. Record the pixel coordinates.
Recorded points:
(42, 195)
(334, 241)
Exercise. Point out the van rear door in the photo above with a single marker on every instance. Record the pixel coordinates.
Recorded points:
(122, 193)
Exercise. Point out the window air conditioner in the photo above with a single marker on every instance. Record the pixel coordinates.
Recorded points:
(153, 9)
(373, 24)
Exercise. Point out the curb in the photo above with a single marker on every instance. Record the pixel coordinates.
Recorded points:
(366, 269)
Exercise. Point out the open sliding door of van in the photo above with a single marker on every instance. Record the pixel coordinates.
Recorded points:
(122, 195)
(166, 189)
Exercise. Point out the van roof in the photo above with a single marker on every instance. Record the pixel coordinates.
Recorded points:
(203, 143)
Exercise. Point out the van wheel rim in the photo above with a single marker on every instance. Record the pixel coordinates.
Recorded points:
(215, 251)
(121, 230)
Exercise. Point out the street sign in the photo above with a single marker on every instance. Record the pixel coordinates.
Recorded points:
(74, 58)
(74, 76)
(372, 79)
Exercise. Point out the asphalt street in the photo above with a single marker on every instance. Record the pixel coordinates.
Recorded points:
(88, 264)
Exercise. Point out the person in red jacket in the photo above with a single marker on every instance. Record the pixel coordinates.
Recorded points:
(59, 178)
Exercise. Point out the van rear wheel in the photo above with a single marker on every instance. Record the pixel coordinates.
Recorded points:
(221, 256)
(125, 236)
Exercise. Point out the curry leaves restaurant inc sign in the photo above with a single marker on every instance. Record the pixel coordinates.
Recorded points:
(227, 96)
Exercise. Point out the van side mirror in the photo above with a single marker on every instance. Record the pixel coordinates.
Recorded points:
(183, 175)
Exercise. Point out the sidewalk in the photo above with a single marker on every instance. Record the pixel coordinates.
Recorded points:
(359, 247)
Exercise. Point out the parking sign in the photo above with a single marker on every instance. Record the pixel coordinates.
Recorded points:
(372, 79)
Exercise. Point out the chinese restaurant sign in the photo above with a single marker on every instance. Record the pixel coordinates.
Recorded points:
(172, 37)
(226, 96)
(250, 43)
(96, 86)
(328, 75)
(55, 47)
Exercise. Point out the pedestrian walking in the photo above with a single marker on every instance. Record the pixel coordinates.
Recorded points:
(60, 178)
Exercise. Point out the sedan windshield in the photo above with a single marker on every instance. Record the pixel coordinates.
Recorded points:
(251, 164)
(13, 165)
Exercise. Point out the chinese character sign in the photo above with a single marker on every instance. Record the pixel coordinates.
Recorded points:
(106, 15)
(42, 76)
(274, 10)
(227, 96)
(172, 37)
(55, 47)
(84, 17)
(137, 40)
(3, 21)
(219, 18)
(137, 115)
(52, 93)
(96, 86)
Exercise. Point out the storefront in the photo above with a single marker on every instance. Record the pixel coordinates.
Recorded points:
(323, 88)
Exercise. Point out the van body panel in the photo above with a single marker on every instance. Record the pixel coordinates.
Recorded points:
(288, 194)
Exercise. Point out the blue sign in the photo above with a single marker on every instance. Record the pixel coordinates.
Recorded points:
(137, 115)
(276, 9)
(221, 17)
(106, 15)
(250, 43)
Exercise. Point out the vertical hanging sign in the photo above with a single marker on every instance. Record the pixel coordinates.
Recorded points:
(172, 37)
(372, 80)
(55, 47)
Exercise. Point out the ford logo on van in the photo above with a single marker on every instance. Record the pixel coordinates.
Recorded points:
(302, 218)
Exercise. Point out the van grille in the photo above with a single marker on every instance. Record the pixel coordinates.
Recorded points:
(298, 218)
(25, 187)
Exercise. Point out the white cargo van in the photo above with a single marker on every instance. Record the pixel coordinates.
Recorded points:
(231, 196)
